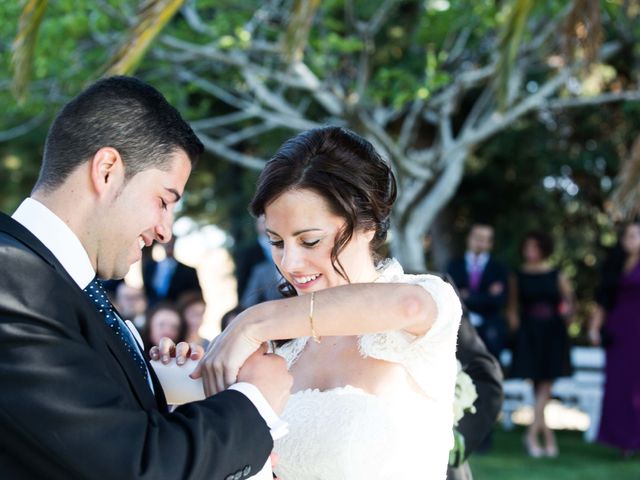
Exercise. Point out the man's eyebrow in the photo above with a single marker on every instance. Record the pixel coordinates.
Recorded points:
(175, 192)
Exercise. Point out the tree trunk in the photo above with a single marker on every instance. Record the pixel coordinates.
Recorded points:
(407, 241)
(407, 247)
(442, 241)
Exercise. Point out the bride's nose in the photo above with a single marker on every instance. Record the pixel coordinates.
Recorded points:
(292, 258)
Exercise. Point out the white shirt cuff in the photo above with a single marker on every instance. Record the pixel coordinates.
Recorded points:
(279, 428)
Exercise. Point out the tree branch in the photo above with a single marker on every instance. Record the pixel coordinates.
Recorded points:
(408, 126)
(263, 94)
(229, 154)
(248, 132)
(396, 155)
(214, 122)
(23, 129)
(609, 97)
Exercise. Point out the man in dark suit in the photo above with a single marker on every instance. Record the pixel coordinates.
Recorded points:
(486, 374)
(77, 400)
(168, 279)
(249, 257)
(482, 283)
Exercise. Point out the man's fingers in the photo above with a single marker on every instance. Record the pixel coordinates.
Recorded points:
(182, 352)
(154, 353)
(167, 349)
(196, 351)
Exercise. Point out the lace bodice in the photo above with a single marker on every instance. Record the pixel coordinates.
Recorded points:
(346, 433)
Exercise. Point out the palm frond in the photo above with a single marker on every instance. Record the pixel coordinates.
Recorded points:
(296, 36)
(510, 40)
(24, 46)
(154, 15)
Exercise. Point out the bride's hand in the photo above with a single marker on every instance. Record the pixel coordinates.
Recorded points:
(221, 363)
(167, 349)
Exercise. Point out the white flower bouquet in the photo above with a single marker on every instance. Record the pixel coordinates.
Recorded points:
(465, 396)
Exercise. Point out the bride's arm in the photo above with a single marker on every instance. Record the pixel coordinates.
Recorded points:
(346, 310)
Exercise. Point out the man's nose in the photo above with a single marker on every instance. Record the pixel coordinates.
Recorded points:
(163, 229)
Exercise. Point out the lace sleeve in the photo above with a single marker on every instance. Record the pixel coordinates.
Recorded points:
(291, 350)
(429, 358)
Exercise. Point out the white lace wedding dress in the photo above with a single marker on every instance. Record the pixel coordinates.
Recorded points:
(348, 434)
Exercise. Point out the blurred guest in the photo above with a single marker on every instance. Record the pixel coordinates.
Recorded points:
(247, 258)
(228, 317)
(168, 279)
(542, 302)
(192, 307)
(482, 282)
(130, 303)
(618, 315)
(263, 284)
(163, 320)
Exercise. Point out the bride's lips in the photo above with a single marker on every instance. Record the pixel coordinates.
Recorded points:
(304, 282)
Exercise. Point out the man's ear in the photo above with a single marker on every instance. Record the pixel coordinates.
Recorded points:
(106, 171)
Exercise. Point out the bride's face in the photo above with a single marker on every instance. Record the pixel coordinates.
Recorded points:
(302, 231)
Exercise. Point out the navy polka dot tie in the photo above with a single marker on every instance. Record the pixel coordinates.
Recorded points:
(97, 293)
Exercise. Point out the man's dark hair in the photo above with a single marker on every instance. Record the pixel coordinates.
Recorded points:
(119, 112)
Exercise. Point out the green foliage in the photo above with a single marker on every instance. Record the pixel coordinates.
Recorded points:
(417, 52)
(555, 176)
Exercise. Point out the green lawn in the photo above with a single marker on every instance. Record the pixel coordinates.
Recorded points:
(577, 461)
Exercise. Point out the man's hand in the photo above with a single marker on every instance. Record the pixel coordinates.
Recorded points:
(268, 372)
(166, 350)
(496, 288)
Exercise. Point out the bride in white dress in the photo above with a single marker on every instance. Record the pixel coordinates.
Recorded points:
(373, 349)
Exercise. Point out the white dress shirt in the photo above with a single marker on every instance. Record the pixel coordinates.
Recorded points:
(69, 251)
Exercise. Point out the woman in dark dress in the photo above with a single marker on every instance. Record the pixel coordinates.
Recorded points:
(542, 301)
(619, 302)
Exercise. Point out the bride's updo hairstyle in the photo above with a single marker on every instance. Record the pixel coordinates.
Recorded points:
(345, 170)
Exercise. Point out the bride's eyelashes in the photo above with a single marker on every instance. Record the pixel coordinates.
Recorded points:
(304, 243)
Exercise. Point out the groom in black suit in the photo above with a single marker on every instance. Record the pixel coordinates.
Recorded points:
(482, 283)
(77, 400)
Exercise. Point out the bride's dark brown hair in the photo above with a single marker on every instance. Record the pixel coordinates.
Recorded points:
(345, 170)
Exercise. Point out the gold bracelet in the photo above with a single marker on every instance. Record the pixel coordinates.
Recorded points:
(314, 335)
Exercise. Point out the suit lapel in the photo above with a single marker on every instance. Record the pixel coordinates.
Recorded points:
(138, 384)
(136, 381)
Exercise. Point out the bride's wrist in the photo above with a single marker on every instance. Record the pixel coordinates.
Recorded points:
(257, 326)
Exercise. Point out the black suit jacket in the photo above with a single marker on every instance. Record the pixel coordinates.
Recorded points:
(486, 374)
(184, 279)
(481, 301)
(73, 404)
